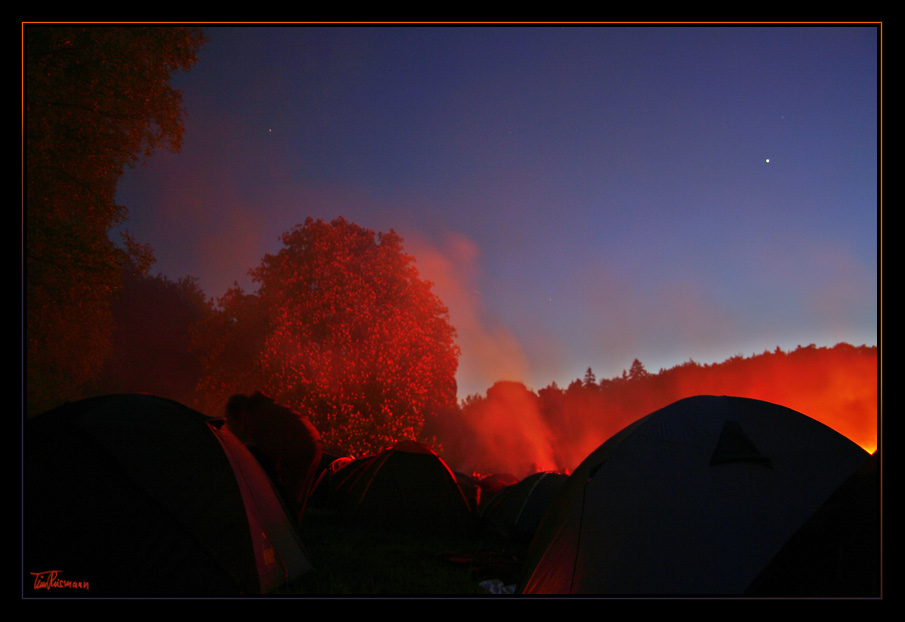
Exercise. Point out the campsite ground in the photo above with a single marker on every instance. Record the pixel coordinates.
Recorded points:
(349, 561)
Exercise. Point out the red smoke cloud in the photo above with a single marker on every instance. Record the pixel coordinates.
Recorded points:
(489, 350)
(507, 433)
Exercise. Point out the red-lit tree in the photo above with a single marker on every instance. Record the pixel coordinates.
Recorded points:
(96, 99)
(343, 331)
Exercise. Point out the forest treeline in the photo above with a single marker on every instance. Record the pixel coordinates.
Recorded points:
(512, 428)
(517, 430)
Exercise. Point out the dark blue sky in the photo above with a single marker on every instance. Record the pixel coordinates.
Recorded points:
(579, 196)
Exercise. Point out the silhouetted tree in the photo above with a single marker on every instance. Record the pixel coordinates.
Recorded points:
(343, 331)
(551, 400)
(153, 322)
(230, 342)
(637, 370)
(96, 100)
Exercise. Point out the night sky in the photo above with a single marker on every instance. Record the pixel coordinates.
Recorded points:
(579, 196)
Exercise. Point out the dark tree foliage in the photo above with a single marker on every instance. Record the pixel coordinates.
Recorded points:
(341, 330)
(96, 99)
(153, 322)
(230, 342)
(637, 370)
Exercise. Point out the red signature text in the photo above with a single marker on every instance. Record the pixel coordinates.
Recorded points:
(51, 580)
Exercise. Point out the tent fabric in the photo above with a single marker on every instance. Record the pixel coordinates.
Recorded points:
(838, 550)
(279, 555)
(332, 487)
(666, 507)
(407, 488)
(470, 488)
(517, 510)
(285, 443)
(140, 495)
(494, 483)
(323, 490)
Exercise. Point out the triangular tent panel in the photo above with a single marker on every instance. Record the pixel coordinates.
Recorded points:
(695, 498)
(735, 446)
(139, 495)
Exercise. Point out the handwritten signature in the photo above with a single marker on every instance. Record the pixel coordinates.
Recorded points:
(51, 579)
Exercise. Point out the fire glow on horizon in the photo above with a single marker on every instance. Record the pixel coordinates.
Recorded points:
(507, 431)
(578, 196)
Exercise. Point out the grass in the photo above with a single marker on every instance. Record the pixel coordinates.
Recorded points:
(360, 562)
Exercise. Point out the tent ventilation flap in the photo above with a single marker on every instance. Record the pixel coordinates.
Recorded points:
(735, 446)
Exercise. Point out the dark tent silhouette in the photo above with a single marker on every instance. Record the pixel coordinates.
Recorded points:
(695, 498)
(491, 484)
(470, 488)
(517, 510)
(837, 552)
(324, 489)
(407, 488)
(140, 495)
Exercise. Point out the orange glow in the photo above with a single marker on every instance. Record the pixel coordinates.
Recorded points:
(507, 433)
(516, 430)
(837, 387)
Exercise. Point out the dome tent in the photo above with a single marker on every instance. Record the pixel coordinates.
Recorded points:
(838, 551)
(695, 498)
(517, 510)
(408, 488)
(140, 495)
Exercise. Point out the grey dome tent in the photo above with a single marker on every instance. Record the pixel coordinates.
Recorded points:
(695, 498)
(137, 495)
